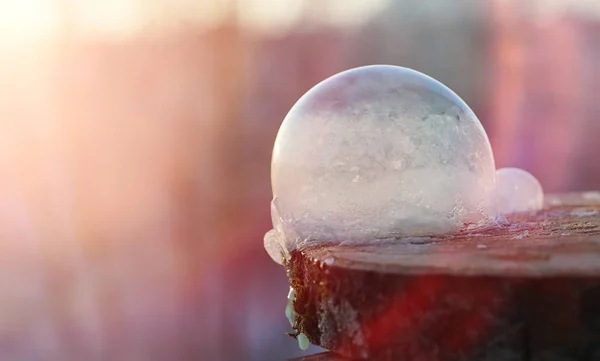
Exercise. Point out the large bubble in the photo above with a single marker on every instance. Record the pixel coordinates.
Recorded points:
(380, 150)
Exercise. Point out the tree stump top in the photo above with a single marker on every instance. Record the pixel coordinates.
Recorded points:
(564, 238)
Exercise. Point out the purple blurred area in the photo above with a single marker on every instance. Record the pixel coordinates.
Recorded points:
(134, 187)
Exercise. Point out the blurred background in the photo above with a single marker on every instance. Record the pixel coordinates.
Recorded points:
(135, 142)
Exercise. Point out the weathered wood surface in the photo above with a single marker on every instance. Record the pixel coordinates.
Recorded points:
(524, 289)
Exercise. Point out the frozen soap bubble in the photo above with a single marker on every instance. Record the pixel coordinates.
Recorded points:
(378, 151)
(517, 191)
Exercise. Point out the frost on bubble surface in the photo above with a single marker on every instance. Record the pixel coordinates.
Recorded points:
(517, 191)
(283, 237)
(378, 151)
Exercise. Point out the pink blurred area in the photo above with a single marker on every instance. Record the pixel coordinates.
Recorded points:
(134, 172)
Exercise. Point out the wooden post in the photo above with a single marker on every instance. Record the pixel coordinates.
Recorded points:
(525, 290)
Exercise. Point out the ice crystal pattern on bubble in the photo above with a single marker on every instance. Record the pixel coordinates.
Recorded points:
(380, 150)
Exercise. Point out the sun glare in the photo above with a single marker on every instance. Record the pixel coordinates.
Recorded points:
(24, 20)
(28, 19)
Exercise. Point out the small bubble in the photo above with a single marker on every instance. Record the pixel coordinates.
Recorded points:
(517, 191)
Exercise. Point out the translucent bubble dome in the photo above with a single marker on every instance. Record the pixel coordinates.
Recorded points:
(378, 151)
(517, 191)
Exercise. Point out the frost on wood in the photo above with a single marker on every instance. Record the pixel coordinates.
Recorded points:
(517, 191)
(380, 150)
